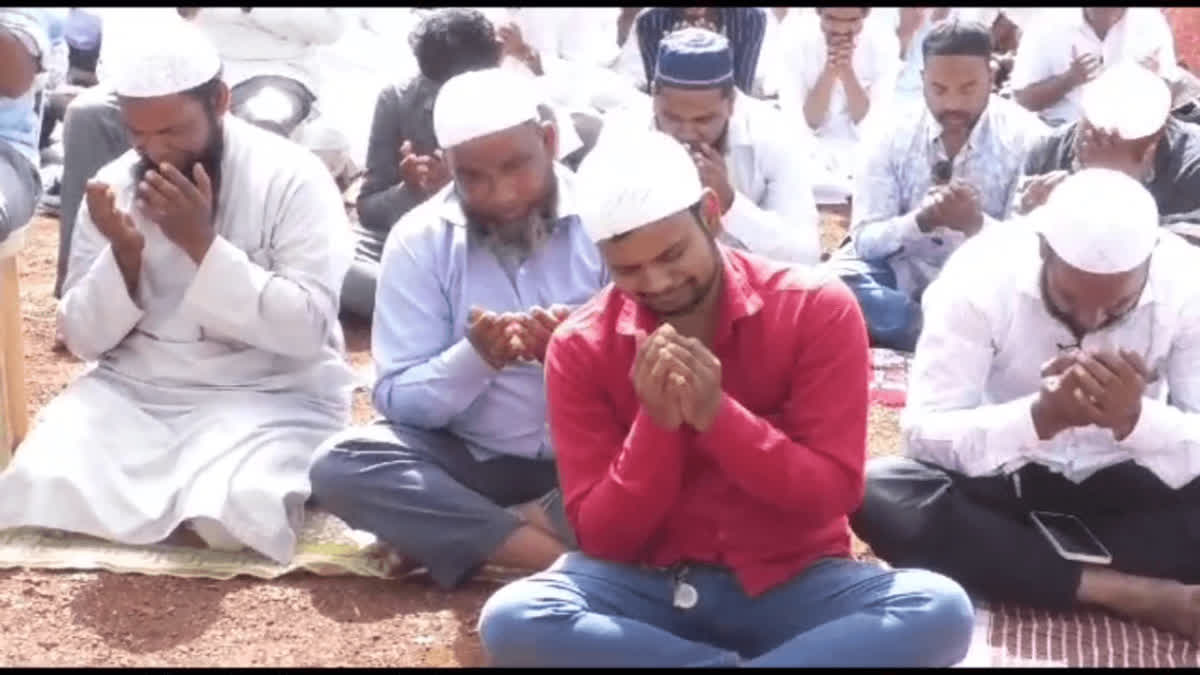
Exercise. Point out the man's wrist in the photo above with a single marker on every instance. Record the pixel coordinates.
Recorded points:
(1044, 423)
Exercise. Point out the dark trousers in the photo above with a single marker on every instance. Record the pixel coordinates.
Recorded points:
(425, 494)
(979, 532)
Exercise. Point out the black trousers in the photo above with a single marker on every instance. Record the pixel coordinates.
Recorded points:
(978, 531)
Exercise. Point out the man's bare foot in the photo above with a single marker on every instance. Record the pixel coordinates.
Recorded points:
(534, 514)
(396, 566)
(1162, 603)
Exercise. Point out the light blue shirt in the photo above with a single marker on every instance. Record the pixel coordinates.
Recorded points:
(432, 273)
(21, 117)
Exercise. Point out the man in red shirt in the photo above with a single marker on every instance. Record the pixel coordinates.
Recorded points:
(708, 413)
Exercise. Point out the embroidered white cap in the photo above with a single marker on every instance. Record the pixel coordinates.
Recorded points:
(478, 103)
(1099, 221)
(1128, 99)
(167, 58)
(634, 178)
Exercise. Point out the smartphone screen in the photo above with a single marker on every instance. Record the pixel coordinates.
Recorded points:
(1071, 535)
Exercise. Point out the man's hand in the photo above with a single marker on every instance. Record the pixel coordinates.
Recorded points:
(1150, 61)
(1057, 407)
(513, 44)
(910, 21)
(1037, 189)
(955, 206)
(1084, 67)
(116, 226)
(1099, 148)
(536, 327)
(700, 391)
(495, 336)
(183, 210)
(840, 56)
(713, 173)
(656, 384)
(1110, 390)
(425, 173)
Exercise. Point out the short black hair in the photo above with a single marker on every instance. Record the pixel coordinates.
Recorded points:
(953, 37)
(452, 41)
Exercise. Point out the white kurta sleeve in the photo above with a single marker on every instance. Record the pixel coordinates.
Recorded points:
(290, 305)
(946, 421)
(785, 226)
(95, 312)
(1166, 439)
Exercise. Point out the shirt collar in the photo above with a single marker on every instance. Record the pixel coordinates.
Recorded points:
(452, 212)
(738, 300)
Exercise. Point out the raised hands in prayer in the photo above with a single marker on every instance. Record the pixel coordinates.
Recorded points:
(1084, 67)
(955, 206)
(1102, 149)
(1081, 389)
(116, 226)
(713, 172)
(1036, 190)
(512, 43)
(425, 173)
(181, 208)
(677, 379)
(504, 339)
(840, 55)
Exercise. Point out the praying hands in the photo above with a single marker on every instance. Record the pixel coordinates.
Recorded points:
(678, 380)
(504, 339)
(1081, 389)
(181, 208)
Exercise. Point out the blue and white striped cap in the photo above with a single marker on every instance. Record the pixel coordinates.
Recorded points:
(694, 58)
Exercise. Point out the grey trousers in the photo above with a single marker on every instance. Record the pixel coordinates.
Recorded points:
(425, 495)
(20, 190)
(358, 288)
(93, 136)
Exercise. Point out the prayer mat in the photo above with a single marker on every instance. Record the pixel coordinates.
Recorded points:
(889, 377)
(327, 547)
(1012, 636)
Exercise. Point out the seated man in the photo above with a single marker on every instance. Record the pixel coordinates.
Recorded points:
(404, 166)
(1057, 372)
(709, 412)
(941, 172)
(25, 36)
(1067, 47)
(744, 27)
(204, 281)
(742, 147)
(1144, 141)
(469, 289)
(838, 73)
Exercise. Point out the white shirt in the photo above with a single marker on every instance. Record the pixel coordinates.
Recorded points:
(876, 61)
(773, 213)
(987, 333)
(1047, 44)
(279, 41)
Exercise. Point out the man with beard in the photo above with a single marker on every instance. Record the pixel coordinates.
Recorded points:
(1057, 372)
(744, 28)
(742, 147)
(460, 470)
(1143, 141)
(204, 282)
(709, 411)
(933, 178)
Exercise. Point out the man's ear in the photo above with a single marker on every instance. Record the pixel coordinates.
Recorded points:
(224, 99)
(710, 212)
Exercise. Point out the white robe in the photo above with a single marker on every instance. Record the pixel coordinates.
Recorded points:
(212, 387)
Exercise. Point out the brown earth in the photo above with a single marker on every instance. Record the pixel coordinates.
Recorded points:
(103, 619)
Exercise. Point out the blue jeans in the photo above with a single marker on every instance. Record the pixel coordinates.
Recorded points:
(838, 612)
(893, 318)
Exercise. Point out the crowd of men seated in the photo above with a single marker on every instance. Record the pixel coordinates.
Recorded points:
(609, 350)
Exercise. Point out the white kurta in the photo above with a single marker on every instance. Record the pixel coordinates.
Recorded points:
(215, 384)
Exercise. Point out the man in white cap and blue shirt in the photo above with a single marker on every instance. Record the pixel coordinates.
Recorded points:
(1126, 126)
(1059, 372)
(460, 471)
(709, 417)
(204, 282)
(743, 147)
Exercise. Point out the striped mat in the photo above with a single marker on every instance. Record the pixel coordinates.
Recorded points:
(1012, 636)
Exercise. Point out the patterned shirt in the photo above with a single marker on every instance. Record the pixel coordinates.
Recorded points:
(898, 171)
(745, 27)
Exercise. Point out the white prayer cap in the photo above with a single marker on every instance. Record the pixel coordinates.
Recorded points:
(1128, 99)
(168, 58)
(1099, 221)
(481, 102)
(632, 178)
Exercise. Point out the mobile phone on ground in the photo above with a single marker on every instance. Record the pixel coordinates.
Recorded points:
(1071, 538)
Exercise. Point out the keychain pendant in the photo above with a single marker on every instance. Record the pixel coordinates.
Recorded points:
(686, 596)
